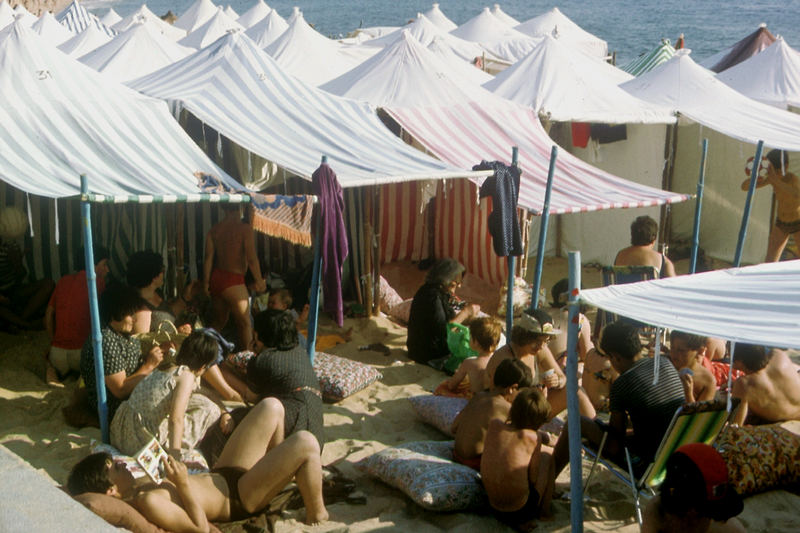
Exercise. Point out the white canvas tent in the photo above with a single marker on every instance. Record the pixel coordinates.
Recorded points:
(435, 15)
(70, 120)
(565, 85)
(771, 77)
(110, 18)
(506, 43)
(231, 13)
(460, 69)
(237, 89)
(254, 15)
(76, 18)
(312, 57)
(503, 17)
(211, 30)
(558, 25)
(267, 30)
(139, 50)
(196, 15)
(6, 14)
(83, 43)
(50, 30)
(24, 16)
(144, 16)
(758, 304)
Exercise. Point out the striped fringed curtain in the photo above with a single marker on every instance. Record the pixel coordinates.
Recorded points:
(403, 222)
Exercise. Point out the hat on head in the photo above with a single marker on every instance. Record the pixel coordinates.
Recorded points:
(537, 321)
(721, 500)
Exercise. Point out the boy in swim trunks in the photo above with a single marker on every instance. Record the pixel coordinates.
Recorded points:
(517, 471)
(255, 465)
(230, 251)
(786, 187)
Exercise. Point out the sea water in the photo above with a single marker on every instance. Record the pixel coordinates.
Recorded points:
(630, 27)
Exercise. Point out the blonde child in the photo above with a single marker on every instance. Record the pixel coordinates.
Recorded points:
(470, 377)
(517, 471)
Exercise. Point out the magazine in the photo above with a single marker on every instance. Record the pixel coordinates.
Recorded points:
(150, 458)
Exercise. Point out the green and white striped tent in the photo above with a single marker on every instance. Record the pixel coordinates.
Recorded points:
(648, 61)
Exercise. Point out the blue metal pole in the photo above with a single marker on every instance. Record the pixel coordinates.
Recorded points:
(316, 275)
(698, 208)
(94, 313)
(573, 411)
(512, 267)
(737, 259)
(537, 277)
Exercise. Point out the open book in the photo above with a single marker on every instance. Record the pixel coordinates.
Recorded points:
(150, 458)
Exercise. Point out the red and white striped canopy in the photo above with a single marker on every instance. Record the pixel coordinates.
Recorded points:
(464, 134)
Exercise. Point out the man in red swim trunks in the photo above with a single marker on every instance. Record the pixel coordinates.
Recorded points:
(230, 251)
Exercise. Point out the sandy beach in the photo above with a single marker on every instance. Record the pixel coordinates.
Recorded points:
(33, 427)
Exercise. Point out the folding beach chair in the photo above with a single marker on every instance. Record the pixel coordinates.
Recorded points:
(694, 422)
(620, 275)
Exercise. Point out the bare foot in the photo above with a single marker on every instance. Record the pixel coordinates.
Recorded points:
(317, 518)
(51, 376)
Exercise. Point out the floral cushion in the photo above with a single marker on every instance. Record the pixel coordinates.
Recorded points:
(388, 296)
(401, 311)
(340, 377)
(425, 471)
(760, 458)
(438, 411)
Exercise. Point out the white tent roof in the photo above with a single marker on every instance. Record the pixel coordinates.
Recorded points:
(69, 120)
(758, 304)
(23, 15)
(557, 24)
(110, 18)
(425, 31)
(269, 28)
(504, 42)
(237, 89)
(501, 15)
(696, 93)
(254, 15)
(51, 30)
(312, 57)
(214, 28)
(294, 14)
(566, 85)
(460, 69)
(83, 43)
(6, 14)
(197, 15)
(137, 51)
(403, 74)
(771, 77)
(76, 18)
(144, 16)
(231, 13)
(435, 15)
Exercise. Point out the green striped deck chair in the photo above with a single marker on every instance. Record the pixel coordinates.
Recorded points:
(694, 422)
(619, 275)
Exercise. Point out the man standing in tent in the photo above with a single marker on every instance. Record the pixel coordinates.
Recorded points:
(787, 193)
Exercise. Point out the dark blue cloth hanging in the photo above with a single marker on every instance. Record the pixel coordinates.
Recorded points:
(503, 223)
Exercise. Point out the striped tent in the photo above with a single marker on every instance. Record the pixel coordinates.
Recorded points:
(649, 60)
(76, 18)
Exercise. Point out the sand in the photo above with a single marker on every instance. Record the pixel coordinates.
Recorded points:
(32, 426)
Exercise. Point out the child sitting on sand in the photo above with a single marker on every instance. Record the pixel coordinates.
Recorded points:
(517, 471)
(470, 425)
(470, 377)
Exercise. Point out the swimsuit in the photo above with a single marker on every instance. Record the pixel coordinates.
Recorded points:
(788, 227)
(232, 474)
(528, 511)
(223, 279)
(474, 463)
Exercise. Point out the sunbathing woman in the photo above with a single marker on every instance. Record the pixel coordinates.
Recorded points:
(164, 404)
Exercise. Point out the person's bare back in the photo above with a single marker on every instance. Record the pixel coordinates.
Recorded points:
(598, 375)
(772, 393)
(509, 465)
(471, 424)
(229, 237)
(645, 256)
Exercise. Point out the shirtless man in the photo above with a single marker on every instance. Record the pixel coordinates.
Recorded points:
(787, 193)
(255, 465)
(230, 251)
(687, 352)
(770, 388)
(469, 427)
(641, 252)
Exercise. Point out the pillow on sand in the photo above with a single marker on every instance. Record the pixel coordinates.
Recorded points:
(401, 311)
(426, 473)
(340, 377)
(438, 411)
(117, 512)
(388, 296)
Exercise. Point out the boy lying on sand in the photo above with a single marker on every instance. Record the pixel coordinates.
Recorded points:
(517, 471)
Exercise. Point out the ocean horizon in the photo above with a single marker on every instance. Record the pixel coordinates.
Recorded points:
(631, 27)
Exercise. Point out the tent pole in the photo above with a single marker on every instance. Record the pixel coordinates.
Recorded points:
(698, 208)
(670, 152)
(537, 276)
(316, 274)
(573, 411)
(94, 313)
(512, 265)
(737, 259)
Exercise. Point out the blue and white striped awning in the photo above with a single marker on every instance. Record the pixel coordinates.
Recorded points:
(77, 18)
(237, 89)
(62, 119)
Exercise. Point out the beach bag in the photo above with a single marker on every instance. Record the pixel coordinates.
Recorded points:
(458, 343)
